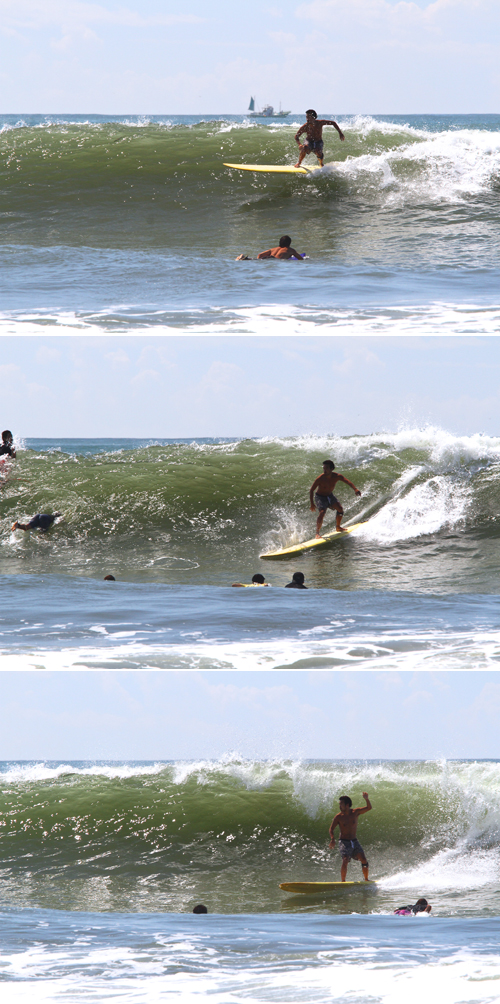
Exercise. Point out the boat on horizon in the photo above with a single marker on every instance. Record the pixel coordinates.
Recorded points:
(267, 112)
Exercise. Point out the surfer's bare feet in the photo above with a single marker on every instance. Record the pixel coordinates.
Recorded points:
(297, 165)
(319, 536)
(340, 529)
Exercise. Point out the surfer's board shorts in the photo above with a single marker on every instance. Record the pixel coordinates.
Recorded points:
(348, 848)
(314, 146)
(323, 502)
(41, 521)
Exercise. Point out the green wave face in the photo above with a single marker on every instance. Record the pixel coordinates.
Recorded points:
(203, 513)
(160, 837)
(162, 186)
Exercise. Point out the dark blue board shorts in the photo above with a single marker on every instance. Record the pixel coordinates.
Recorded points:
(323, 502)
(348, 848)
(41, 521)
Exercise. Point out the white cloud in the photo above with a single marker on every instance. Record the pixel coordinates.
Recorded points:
(47, 355)
(369, 55)
(117, 359)
(444, 21)
(145, 379)
(354, 358)
(34, 14)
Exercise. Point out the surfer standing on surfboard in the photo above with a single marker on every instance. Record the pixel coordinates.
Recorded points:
(349, 845)
(313, 142)
(324, 498)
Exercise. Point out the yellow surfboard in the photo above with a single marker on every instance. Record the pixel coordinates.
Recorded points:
(273, 168)
(309, 545)
(309, 888)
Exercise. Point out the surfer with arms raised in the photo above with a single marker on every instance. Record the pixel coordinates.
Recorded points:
(322, 497)
(313, 143)
(347, 821)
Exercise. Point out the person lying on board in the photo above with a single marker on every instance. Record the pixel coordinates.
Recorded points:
(7, 446)
(257, 580)
(313, 143)
(349, 845)
(324, 498)
(42, 521)
(421, 906)
(284, 250)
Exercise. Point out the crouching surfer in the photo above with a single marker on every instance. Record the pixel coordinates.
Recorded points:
(322, 498)
(313, 143)
(349, 845)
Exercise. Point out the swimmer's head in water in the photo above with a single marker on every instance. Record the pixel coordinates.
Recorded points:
(345, 800)
(7, 436)
(330, 464)
(200, 908)
(312, 113)
(109, 578)
(285, 241)
(421, 905)
(258, 578)
(298, 577)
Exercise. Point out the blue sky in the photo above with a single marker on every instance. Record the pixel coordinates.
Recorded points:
(147, 715)
(139, 386)
(342, 56)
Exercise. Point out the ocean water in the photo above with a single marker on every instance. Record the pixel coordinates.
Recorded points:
(131, 225)
(102, 863)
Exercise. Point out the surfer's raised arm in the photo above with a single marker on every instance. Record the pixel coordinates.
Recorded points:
(340, 477)
(325, 122)
(364, 808)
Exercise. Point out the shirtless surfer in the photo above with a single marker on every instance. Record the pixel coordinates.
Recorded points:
(313, 142)
(324, 498)
(284, 250)
(349, 845)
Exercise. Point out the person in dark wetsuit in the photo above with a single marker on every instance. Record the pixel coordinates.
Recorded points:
(324, 498)
(313, 143)
(42, 521)
(297, 581)
(7, 447)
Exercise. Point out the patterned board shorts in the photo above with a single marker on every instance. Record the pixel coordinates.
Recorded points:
(327, 502)
(348, 848)
(314, 146)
